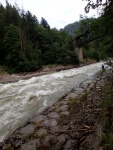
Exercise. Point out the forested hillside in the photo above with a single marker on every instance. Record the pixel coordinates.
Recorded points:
(78, 27)
(27, 44)
(72, 28)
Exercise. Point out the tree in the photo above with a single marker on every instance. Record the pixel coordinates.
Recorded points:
(44, 24)
(103, 24)
(26, 44)
(13, 47)
(2, 31)
(98, 3)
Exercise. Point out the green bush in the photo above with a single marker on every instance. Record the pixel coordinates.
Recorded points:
(94, 54)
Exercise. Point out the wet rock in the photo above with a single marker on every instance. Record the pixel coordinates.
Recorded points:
(51, 109)
(27, 130)
(71, 95)
(37, 118)
(32, 145)
(86, 83)
(53, 115)
(64, 108)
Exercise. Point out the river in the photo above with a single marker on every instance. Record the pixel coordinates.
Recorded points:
(21, 100)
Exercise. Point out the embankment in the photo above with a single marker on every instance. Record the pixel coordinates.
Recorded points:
(72, 123)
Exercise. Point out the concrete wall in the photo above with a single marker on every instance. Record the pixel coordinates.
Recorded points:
(79, 53)
(78, 50)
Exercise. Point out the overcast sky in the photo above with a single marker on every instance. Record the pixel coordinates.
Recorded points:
(58, 13)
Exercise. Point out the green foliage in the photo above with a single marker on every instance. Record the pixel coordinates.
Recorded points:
(103, 25)
(108, 111)
(93, 54)
(85, 53)
(27, 45)
(12, 45)
(44, 24)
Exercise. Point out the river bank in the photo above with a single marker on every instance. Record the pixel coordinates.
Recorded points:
(8, 78)
(72, 123)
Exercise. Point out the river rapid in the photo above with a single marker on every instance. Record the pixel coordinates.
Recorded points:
(21, 100)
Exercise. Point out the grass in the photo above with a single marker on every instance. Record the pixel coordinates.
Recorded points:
(107, 136)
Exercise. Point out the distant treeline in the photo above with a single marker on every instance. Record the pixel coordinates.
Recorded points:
(27, 44)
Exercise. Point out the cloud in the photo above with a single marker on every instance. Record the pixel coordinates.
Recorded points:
(58, 13)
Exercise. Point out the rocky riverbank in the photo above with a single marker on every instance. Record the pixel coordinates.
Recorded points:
(72, 123)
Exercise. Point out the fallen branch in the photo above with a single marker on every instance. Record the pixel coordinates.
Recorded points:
(85, 126)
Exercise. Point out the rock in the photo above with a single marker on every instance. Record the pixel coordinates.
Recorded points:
(58, 146)
(75, 135)
(41, 132)
(32, 145)
(7, 147)
(54, 128)
(71, 145)
(27, 130)
(49, 123)
(50, 139)
(51, 109)
(65, 113)
(66, 127)
(37, 119)
(15, 76)
(53, 115)
(79, 90)
(1, 145)
(61, 138)
(71, 95)
(64, 108)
